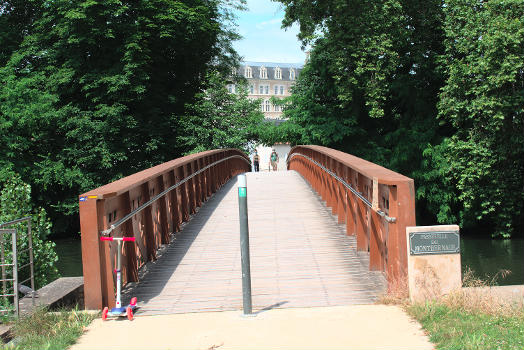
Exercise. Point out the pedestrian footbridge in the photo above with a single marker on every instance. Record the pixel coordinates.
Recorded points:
(329, 231)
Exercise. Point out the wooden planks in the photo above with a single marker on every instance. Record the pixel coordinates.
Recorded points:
(300, 255)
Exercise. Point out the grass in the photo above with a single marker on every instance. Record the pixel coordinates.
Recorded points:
(454, 328)
(470, 318)
(49, 330)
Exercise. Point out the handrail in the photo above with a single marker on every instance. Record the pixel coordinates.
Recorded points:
(163, 193)
(16, 221)
(348, 186)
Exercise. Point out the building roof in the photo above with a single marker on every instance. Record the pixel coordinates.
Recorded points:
(270, 67)
(273, 64)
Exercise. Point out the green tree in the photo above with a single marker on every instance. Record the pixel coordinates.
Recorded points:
(483, 100)
(92, 92)
(221, 119)
(370, 87)
(15, 203)
(16, 21)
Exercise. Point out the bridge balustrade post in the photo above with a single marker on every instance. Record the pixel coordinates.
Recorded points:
(207, 176)
(316, 174)
(191, 188)
(212, 174)
(361, 227)
(196, 184)
(201, 182)
(326, 180)
(162, 211)
(331, 186)
(98, 292)
(173, 203)
(322, 178)
(156, 216)
(183, 194)
(376, 242)
(130, 271)
(350, 203)
(148, 232)
(341, 210)
(218, 173)
(401, 206)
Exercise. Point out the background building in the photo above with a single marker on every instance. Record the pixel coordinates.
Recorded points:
(266, 80)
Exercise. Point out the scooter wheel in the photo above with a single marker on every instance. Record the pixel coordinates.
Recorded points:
(104, 313)
(129, 313)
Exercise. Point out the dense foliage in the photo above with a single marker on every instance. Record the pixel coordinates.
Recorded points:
(221, 119)
(431, 89)
(15, 203)
(483, 99)
(91, 90)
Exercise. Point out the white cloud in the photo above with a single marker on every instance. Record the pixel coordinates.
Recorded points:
(273, 22)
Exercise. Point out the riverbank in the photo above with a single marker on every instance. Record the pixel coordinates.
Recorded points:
(474, 318)
(484, 317)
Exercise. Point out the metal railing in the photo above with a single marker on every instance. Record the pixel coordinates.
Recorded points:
(375, 203)
(149, 205)
(14, 265)
(347, 185)
(163, 193)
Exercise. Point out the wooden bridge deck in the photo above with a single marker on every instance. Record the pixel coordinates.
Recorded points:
(300, 256)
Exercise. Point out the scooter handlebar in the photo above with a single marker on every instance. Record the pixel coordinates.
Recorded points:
(132, 239)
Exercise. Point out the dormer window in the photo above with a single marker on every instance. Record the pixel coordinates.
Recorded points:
(291, 74)
(278, 73)
(263, 72)
(248, 72)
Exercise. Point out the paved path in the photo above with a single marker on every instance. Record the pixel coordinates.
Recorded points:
(300, 256)
(326, 328)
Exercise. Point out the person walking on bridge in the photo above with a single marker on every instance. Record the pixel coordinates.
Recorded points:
(273, 158)
(256, 161)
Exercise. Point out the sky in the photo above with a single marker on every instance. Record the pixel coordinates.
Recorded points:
(263, 39)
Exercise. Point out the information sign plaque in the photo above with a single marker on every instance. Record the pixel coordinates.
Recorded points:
(436, 242)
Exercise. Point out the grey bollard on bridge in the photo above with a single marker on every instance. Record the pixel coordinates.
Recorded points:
(244, 244)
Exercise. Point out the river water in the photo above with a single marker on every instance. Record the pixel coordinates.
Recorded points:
(484, 256)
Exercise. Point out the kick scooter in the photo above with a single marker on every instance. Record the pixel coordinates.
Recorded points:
(119, 310)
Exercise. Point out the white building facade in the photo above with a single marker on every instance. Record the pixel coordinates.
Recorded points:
(266, 80)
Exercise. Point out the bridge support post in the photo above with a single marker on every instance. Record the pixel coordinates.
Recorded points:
(244, 244)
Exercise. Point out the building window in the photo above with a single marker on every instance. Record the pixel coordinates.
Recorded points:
(251, 89)
(263, 72)
(292, 74)
(231, 88)
(276, 108)
(276, 89)
(278, 73)
(262, 106)
(268, 106)
(282, 89)
(248, 72)
(263, 89)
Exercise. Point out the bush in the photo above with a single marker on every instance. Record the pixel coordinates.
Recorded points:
(15, 203)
